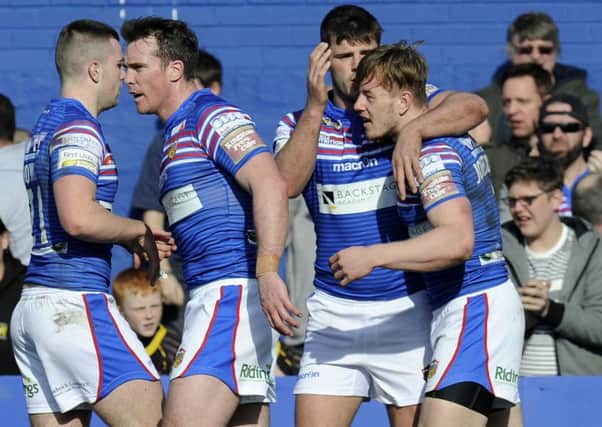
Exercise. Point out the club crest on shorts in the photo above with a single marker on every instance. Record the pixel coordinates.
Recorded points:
(432, 369)
(179, 357)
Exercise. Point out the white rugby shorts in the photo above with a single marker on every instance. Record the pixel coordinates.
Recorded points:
(227, 336)
(479, 338)
(74, 348)
(374, 349)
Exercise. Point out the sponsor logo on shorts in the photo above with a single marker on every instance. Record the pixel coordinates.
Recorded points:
(30, 387)
(309, 375)
(71, 385)
(179, 357)
(504, 375)
(255, 373)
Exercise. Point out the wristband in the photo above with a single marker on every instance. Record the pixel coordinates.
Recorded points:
(267, 264)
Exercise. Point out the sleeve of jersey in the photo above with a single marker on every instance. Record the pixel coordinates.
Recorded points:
(230, 138)
(76, 149)
(285, 128)
(431, 91)
(442, 169)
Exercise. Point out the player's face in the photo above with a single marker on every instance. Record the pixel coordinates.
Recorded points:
(379, 108)
(146, 77)
(521, 105)
(344, 61)
(539, 51)
(533, 210)
(113, 73)
(143, 312)
(567, 143)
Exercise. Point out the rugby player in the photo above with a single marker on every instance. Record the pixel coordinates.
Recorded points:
(227, 208)
(74, 349)
(455, 242)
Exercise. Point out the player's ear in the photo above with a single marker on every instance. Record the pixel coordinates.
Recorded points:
(175, 70)
(95, 71)
(404, 99)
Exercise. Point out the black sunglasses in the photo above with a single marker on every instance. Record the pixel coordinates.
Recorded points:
(526, 50)
(564, 127)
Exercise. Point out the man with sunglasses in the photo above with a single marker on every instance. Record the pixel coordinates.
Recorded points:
(565, 136)
(556, 262)
(533, 37)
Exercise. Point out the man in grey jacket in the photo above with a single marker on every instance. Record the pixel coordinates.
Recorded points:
(556, 263)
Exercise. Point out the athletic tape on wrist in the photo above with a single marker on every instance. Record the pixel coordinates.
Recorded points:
(267, 264)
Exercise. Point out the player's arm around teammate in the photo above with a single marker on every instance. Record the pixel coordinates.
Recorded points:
(449, 113)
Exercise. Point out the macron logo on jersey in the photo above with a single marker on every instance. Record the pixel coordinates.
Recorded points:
(354, 166)
(358, 197)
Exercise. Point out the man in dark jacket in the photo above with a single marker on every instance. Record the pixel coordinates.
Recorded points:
(533, 37)
(556, 263)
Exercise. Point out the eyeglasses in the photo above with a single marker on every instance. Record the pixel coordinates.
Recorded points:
(526, 200)
(527, 50)
(571, 127)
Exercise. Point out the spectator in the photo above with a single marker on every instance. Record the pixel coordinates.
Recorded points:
(533, 37)
(587, 200)
(565, 136)
(12, 273)
(524, 88)
(141, 305)
(557, 264)
(14, 205)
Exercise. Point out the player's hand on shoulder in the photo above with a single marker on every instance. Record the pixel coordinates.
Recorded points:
(276, 303)
(319, 64)
(351, 264)
(406, 160)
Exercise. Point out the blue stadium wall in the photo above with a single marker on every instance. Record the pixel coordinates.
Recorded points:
(264, 47)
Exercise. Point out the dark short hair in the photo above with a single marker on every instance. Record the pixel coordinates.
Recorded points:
(351, 23)
(74, 34)
(7, 118)
(208, 69)
(544, 81)
(546, 174)
(398, 65)
(534, 25)
(587, 199)
(175, 40)
(2, 227)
